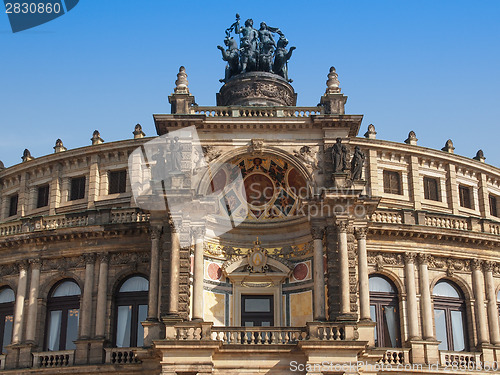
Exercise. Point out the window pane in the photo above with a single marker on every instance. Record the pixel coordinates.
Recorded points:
(248, 324)
(457, 326)
(135, 284)
(379, 284)
(72, 329)
(13, 205)
(465, 196)
(441, 335)
(257, 305)
(117, 182)
(444, 289)
(67, 288)
(7, 295)
(54, 330)
(373, 316)
(7, 332)
(77, 188)
(493, 206)
(390, 322)
(43, 196)
(123, 328)
(266, 324)
(141, 317)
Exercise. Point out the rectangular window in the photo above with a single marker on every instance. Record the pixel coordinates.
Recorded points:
(465, 196)
(494, 206)
(77, 188)
(392, 182)
(431, 189)
(13, 205)
(43, 196)
(117, 182)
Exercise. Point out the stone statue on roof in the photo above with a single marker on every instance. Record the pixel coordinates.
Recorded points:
(257, 51)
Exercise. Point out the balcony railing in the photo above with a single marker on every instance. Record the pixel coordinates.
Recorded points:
(395, 356)
(54, 359)
(314, 331)
(73, 220)
(462, 360)
(117, 356)
(297, 112)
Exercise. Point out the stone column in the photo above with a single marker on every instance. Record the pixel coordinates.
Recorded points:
(478, 287)
(345, 305)
(199, 273)
(492, 304)
(319, 274)
(33, 300)
(19, 307)
(411, 296)
(86, 305)
(425, 299)
(363, 285)
(173, 306)
(102, 297)
(154, 274)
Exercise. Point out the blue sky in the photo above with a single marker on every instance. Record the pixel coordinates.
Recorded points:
(427, 66)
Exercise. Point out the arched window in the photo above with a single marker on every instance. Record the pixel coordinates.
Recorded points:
(131, 309)
(449, 316)
(63, 311)
(384, 311)
(7, 299)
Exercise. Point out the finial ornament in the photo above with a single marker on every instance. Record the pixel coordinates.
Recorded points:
(332, 84)
(412, 139)
(27, 156)
(480, 156)
(96, 138)
(181, 84)
(448, 146)
(371, 133)
(59, 147)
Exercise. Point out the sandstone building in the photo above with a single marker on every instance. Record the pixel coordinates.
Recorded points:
(397, 268)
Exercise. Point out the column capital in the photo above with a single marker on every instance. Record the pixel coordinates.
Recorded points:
(198, 232)
(361, 232)
(409, 257)
(342, 226)
(476, 264)
(89, 258)
(35, 263)
(174, 223)
(155, 231)
(488, 266)
(22, 265)
(317, 232)
(103, 257)
(424, 259)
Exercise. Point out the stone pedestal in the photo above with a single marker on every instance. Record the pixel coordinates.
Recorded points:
(153, 330)
(366, 331)
(96, 351)
(431, 352)
(417, 352)
(82, 352)
(257, 89)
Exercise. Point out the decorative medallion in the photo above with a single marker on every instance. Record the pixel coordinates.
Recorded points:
(257, 258)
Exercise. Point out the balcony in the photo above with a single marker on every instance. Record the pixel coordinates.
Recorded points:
(62, 358)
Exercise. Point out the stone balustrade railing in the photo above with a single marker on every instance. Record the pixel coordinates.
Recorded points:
(258, 335)
(54, 359)
(315, 331)
(296, 112)
(72, 220)
(396, 356)
(2, 361)
(117, 356)
(446, 222)
(436, 220)
(461, 360)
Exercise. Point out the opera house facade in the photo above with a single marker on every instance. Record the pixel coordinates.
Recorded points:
(320, 248)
